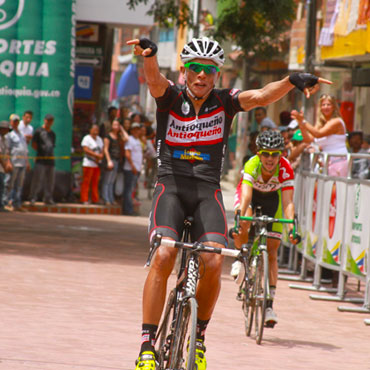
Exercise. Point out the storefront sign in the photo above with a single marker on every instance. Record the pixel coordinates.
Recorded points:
(84, 82)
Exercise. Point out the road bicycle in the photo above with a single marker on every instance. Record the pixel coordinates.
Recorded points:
(254, 289)
(179, 320)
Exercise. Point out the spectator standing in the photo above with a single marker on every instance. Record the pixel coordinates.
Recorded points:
(260, 115)
(106, 126)
(284, 118)
(25, 125)
(5, 164)
(18, 151)
(136, 117)
(360, 166)
(92, 145)
(329, 133)
(43, 141)
(267, 124)
(292, 128)
(297, 148)
(132, 167)
(127, 124)
(113, 151)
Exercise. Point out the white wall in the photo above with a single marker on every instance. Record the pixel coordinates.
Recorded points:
(112, 11)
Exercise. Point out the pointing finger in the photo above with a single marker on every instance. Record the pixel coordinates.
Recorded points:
(323, 80)
(307, 92)
(133, 42)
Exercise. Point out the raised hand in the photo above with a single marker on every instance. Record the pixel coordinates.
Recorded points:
(143, 47)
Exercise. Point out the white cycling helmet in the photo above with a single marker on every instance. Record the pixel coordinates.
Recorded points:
(203, 48)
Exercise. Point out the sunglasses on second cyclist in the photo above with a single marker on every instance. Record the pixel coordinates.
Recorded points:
(266, 153)
(209, 69)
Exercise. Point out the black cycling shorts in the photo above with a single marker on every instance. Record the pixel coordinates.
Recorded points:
(271, 206)
(176, 197)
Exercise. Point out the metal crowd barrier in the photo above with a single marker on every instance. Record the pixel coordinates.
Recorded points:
(334, 221)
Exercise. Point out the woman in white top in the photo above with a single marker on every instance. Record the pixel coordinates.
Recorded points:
(329, 133)
(92, 145)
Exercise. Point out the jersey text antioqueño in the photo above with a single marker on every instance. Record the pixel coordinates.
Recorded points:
(194, 145)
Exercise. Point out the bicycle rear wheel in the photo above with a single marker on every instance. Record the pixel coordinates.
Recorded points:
(183, 354)
(261, 297)
(164, 335)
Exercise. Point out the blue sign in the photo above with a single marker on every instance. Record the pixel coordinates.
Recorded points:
(84, 82)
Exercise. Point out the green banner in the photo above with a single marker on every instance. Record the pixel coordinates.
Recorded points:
(37, 52)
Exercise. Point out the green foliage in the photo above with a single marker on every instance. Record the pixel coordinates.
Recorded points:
(257, 26)
(167, 13)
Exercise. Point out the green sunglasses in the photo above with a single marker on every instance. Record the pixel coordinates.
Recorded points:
(266, 153)
(209, 69)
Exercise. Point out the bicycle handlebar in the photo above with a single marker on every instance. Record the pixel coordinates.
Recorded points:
(200, 247)
(265, 220)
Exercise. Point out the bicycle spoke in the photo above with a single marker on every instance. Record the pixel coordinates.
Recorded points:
(164, 335)
(183, 353)
(249, 302)
(261, 299)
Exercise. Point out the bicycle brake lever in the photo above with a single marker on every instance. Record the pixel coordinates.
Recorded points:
(235, 229)
(153, 247)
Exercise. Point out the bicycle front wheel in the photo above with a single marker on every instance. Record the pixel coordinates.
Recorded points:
(249, 297)
(261, 298)
(183, 354)
(164, 338)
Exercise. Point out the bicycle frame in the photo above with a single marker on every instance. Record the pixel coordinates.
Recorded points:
(254, 290)
(181, 309)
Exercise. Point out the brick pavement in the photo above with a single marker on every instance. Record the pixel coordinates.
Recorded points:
(70, 298)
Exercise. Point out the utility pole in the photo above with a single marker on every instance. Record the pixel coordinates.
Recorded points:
(310, 49)
(195, 4)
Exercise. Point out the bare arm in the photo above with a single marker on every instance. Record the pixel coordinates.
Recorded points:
(129, 160)
(91, 153)
(106, 150)
(309, 132)
(298, 116)
(124, 135)
(246, 198)
(270, 93)
(274, 91)
(288, 206)
(297, 151)
(332, 127)
(157, 83)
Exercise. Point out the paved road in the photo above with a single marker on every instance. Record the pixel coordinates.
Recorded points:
(70, 298)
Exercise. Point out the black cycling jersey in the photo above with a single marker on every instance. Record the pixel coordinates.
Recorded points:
(190, 145)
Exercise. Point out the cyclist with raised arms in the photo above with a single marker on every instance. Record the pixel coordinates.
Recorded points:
(268, 182)
(193, 124)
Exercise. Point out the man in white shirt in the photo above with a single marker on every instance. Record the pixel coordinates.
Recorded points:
(5, 164)
(18, 152)
(24, 125)
(132, 167)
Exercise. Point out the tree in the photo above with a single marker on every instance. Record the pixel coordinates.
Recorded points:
(258, 27)
(168, 12)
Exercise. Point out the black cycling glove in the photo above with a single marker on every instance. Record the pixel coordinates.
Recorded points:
(146, 43)
(303, 80)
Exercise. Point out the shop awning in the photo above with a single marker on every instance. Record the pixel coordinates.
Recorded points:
(129, 82)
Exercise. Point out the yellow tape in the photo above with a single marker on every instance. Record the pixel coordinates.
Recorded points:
(35, 157)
